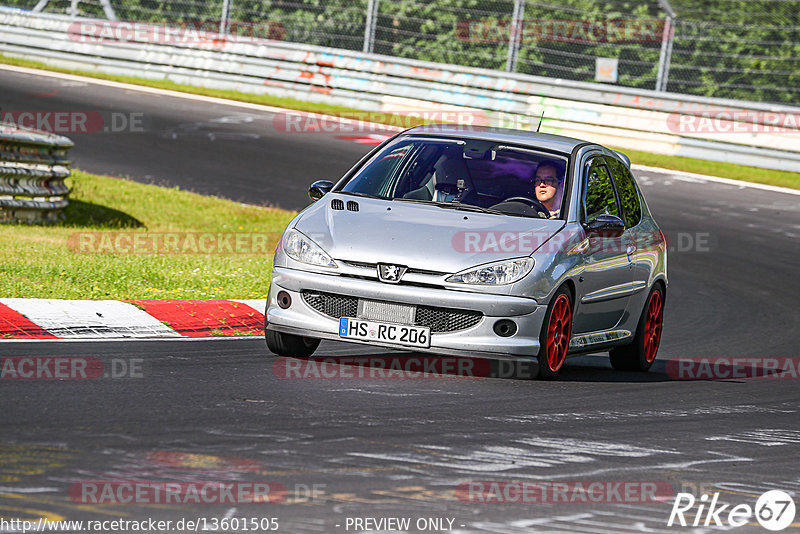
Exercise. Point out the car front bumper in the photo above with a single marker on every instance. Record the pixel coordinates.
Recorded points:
(479, 340)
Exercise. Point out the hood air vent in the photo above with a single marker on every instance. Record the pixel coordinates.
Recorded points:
(337, 204)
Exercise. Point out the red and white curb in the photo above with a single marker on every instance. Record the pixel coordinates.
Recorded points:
(112, 319)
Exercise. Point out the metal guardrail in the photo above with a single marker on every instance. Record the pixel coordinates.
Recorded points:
(618, 116)
(33, 167)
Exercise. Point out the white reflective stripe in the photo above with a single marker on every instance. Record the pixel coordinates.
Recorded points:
(89, 318)
(259, 305)
(716, 179)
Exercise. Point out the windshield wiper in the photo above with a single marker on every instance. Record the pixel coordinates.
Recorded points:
(414, 200)
(460, 206)
(365, 195)
(467, 207)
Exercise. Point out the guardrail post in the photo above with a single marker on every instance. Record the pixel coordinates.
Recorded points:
(223, 19)
(515, 36)
(369, 26)
(666, 46)
(666, 55)
(108, 9)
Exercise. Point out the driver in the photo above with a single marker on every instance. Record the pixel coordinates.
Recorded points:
(548, 185)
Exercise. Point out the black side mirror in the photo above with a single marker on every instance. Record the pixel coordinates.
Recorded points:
(319, 189)
(606, 225)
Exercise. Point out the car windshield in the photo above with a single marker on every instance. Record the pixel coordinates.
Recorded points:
(474, 175)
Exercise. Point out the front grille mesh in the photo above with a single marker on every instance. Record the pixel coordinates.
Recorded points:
(445, 320)
(333, 305)
(437, 319)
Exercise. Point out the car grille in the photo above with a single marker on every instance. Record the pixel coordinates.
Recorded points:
(333, 305)
(437, 319)
(445, 320)
(374, 266)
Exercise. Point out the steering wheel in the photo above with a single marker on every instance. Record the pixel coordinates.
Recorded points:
(535, 204)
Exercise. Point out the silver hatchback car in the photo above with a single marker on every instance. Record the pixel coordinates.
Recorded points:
(483, 242)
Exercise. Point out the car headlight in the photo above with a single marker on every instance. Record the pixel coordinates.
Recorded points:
(300, 248)
(495, 274)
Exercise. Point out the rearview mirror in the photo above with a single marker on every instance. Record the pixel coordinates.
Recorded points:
(606, 225)
(319, 189)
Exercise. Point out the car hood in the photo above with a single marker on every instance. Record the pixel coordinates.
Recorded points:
(420, 236)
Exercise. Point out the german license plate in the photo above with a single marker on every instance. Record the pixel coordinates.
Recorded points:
(411, 336)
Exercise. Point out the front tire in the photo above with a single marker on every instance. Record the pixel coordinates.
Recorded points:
(640, 354)
(289, 344)
(555, 336)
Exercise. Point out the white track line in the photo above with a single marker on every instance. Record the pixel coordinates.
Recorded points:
(186, 96)
(258, 305)
(717, 179)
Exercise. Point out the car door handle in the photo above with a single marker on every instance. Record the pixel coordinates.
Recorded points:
(630, 251)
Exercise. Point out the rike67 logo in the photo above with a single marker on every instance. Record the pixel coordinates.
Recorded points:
(774, 510)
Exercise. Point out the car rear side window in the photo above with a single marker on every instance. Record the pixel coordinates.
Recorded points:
(600, 198)
(628, 194)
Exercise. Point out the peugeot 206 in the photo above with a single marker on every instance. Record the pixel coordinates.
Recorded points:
(489, 243)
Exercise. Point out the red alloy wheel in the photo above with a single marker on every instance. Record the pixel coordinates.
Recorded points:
(652, 326)
(558, 333)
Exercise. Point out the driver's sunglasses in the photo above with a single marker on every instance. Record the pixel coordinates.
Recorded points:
(546, 181)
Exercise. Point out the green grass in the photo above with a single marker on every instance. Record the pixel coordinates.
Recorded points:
(724, 170)
(716, 168)
(46, 261)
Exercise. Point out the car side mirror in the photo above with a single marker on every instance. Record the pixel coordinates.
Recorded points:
(606, 225)
(319, 189)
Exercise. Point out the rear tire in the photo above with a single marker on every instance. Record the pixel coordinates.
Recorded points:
(289, 344)
(640, 354)
(555, 336)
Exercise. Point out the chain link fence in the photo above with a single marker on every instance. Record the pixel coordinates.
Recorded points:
(742, 49)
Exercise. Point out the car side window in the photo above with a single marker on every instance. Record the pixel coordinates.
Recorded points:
(628, 194)
(600, 197)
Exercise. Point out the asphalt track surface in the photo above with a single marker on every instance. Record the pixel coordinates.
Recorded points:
(218, 411)
(212, 149)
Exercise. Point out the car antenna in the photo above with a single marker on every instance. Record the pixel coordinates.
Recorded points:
(540, 122)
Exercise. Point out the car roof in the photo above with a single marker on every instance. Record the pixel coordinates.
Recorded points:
(556, 143)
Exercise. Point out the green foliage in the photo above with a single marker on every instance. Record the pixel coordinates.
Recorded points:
(722, 48)
(737, 49)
